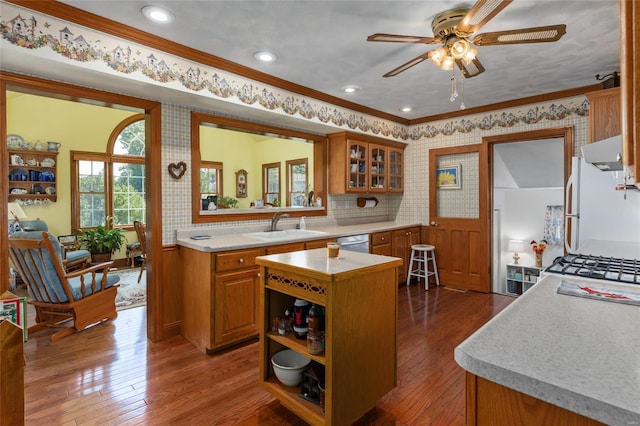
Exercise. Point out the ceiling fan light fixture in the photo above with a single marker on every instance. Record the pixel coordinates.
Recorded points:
(436, 56)
(470, 55)
(459, 48)
(447, 63)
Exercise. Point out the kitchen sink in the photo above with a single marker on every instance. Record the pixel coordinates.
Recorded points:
(288, 234)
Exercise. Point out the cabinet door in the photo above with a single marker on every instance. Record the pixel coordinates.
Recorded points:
(378, 158)
(399, 249)
(605, 118)
(236, 306)
(358, 170)
(395, 170)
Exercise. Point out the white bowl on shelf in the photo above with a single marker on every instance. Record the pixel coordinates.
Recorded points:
(289, 366)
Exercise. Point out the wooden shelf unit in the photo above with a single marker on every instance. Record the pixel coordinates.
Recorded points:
(28, 185)
(360, 355)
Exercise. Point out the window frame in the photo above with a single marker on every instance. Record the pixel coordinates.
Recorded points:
(290, 191)
(108, 159)
(265, 182)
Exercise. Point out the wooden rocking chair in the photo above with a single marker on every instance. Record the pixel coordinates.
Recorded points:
(141, 232)
(86, 296)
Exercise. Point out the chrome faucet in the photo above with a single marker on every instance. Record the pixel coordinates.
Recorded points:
(276, 218)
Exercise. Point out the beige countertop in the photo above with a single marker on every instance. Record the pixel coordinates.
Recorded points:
(317, 262)
(576, 353)
(221, 239)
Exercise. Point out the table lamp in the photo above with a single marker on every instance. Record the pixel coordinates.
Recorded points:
(15, 214)
(515, 247)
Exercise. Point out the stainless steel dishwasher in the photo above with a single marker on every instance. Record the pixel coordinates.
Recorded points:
(359, 243)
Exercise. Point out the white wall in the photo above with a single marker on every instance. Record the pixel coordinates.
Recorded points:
(522, 213)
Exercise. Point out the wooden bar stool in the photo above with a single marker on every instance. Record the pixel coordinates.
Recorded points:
(421, 254)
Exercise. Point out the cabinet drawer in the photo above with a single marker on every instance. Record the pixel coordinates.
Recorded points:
(380, 238)
(237, 260)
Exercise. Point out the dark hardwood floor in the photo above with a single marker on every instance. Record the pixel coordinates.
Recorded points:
(111, 374)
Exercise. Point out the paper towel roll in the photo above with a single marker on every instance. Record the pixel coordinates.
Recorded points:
(370, 203)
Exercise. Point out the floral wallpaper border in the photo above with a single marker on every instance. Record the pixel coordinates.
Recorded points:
(79, 44)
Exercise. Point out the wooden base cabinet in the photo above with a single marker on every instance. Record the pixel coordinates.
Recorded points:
(220, 301)
(491, 404)
(403, 239)
(360, 337)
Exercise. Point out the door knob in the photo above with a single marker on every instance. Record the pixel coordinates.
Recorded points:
(433, 223)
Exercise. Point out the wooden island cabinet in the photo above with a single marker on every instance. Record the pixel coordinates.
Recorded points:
(359, 294)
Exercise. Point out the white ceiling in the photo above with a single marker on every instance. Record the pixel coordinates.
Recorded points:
(322, 45)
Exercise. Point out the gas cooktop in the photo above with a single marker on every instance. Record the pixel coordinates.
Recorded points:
(597, 267)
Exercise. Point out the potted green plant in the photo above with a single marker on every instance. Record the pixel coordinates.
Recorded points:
(102, 241)
(227, 203)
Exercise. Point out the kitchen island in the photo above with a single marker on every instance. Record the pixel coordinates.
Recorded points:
(555, 359)
(359, 294)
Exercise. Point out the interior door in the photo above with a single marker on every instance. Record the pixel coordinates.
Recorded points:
(458, 216)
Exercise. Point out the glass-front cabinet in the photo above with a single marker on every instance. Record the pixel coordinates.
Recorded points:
(378, 168)
(364, 164)
(396, 170)
(357, 167)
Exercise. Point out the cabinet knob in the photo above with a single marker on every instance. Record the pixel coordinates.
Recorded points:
(381, 238)
(241, 260)
(258, 275)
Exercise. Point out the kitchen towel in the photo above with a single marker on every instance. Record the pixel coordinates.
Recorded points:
(596, 292)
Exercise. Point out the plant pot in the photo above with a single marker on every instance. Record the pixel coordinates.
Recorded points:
(100, 257)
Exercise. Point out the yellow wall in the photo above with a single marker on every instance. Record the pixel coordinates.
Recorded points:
(78, 127)
(237, 150)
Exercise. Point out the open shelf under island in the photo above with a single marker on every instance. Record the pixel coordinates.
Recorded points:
(359, 294)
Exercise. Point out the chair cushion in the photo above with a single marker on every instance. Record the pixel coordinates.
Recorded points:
(75, 284)
(72, 256)
(34, 225)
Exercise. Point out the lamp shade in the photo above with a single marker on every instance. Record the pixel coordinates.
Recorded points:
(16, 212)
(516, 246)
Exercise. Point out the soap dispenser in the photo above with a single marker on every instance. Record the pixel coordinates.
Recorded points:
(303, 224)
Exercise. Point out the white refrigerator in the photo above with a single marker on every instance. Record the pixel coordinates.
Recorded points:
(596, 210)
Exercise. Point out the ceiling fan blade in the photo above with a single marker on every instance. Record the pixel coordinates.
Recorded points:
(523, 35)
(479, 15)
(407, 65)
(471, 69)
(397, 38)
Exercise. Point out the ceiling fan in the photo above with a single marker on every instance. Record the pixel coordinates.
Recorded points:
(453, 30)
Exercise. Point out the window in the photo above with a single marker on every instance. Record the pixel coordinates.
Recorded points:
(210, 179)
(111, 183)
(297, 182)
(271, 183)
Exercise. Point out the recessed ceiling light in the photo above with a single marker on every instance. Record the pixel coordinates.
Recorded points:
(158, 14)
(350, 89)
(265, 56)
(406, 109)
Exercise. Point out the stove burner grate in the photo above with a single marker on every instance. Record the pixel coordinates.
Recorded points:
(598, 267)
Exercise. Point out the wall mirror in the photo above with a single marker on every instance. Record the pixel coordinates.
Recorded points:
(242, 167)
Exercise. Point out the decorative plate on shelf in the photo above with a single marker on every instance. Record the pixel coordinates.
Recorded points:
(48, 162)
(15, 141)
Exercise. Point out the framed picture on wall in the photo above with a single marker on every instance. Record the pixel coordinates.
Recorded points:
(448, 177)
(241, 183)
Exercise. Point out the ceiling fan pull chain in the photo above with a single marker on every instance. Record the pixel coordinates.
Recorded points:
(462, 106)
(454, 90)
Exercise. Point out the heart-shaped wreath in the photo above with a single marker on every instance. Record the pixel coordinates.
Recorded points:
(177, 170)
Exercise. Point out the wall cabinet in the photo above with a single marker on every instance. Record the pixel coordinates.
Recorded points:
(521, 278)
(402, 240)
(605, 119)
(32, 175)
(363, 164)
